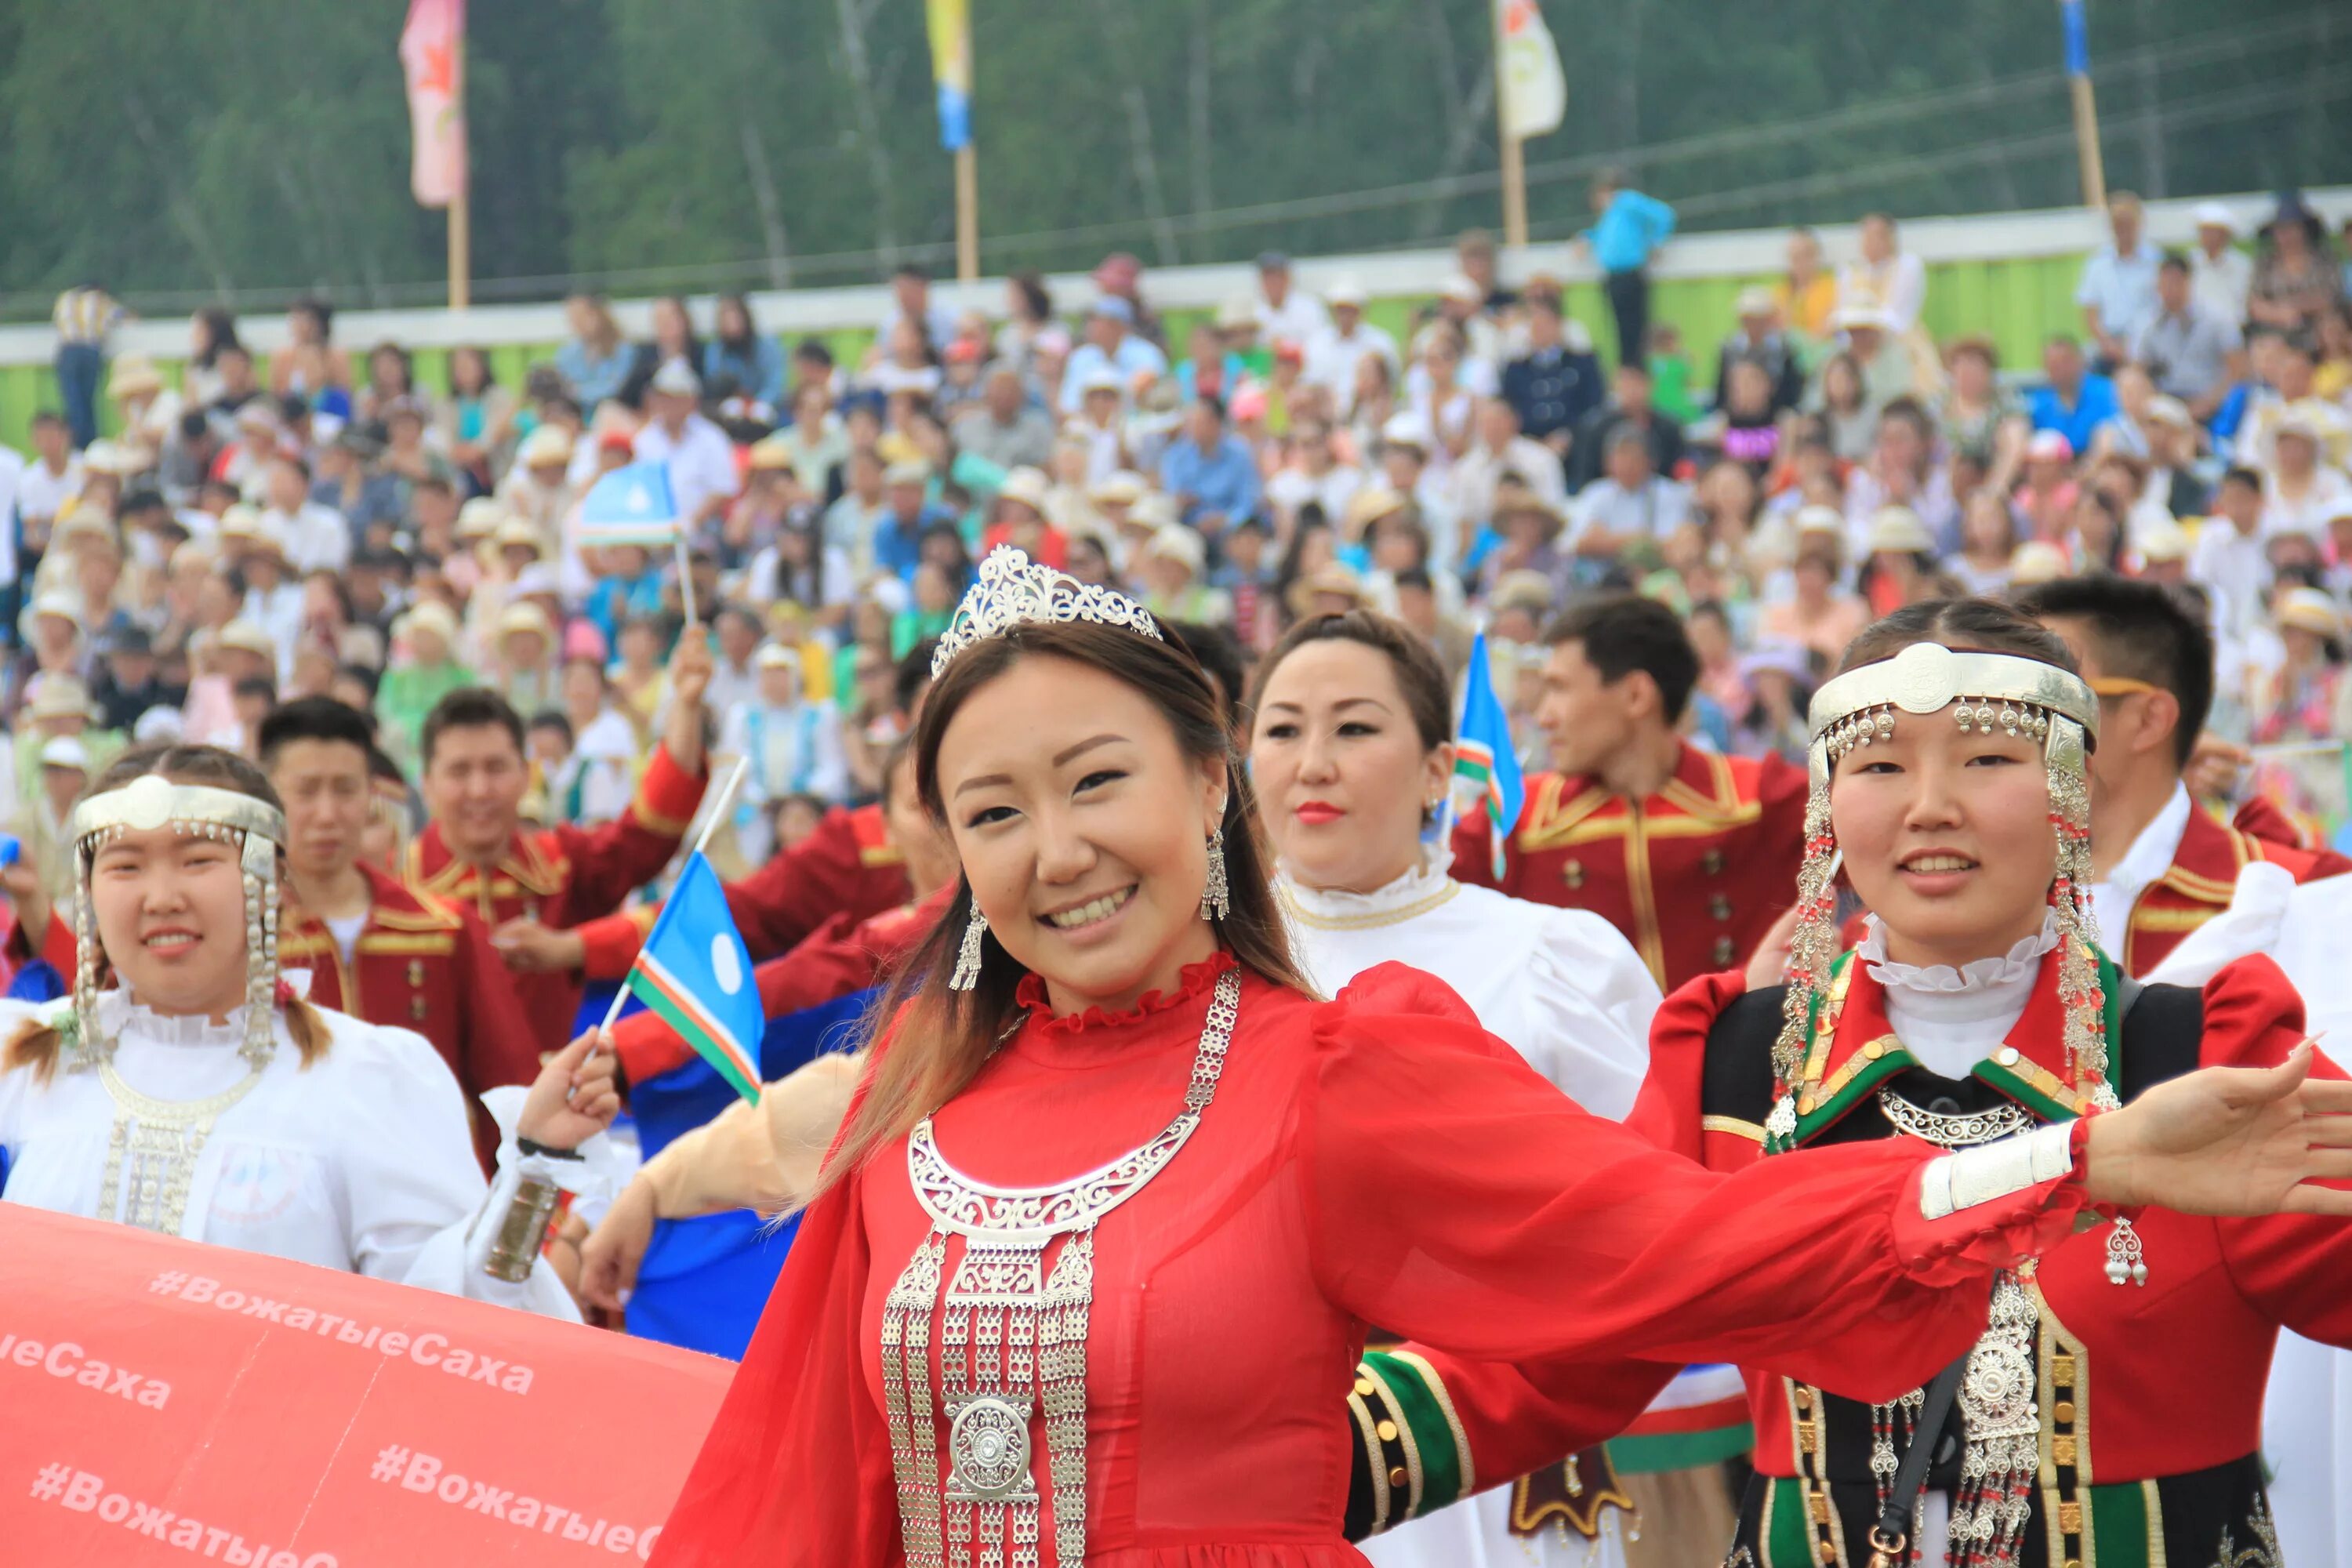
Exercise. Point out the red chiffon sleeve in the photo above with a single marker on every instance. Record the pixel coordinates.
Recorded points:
(2295, 1269)
(798, 1459)
(1457, 1197)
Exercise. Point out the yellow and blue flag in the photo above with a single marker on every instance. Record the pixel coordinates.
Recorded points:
(1483, 757)
(694, 971)
(631, 505)
(950, 25)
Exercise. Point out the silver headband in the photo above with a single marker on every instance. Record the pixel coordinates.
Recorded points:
(1927, 678)
(1013, 592)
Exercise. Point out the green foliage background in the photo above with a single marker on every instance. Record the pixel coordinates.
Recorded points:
(256, 150)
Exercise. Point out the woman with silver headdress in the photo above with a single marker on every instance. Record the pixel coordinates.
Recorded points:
(2110, 1412)
(183, 1088)
(1092, 1261)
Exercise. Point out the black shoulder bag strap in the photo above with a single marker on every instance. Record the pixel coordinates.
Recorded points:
(1890, 1538)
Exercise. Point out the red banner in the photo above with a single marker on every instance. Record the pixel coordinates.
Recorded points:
(162, 1401)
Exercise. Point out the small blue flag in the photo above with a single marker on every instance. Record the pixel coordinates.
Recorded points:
(1483, 756)
(631, 505)
(694, 971)
(2078, 37)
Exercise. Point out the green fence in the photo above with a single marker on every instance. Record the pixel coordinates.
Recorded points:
(2015, 303)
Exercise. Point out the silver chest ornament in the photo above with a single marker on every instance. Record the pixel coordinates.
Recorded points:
(1011, 1339)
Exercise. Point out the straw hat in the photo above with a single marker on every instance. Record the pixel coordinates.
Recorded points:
(770, 454)
(1028, 486)
(547, 444)
(2036, 560)
(1860, 317)
(518, 533)
(777, 656)
(481, 517)
(134, 376)
(2165, 541)
(1124, 487)
(1175, 541)
(248, 636)
(2309, 610)
(518, 619)
(1897, 529)
(1368, 506)
(1819, 519)
(58, 696)
(432, 616)
(1329, 578)
(1153, 511)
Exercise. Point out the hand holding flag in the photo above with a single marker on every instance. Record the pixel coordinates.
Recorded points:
(694, 971)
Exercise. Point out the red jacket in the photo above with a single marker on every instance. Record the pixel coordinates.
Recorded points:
(422, 964)
(564, 876)
(846, 866)
(2203, 877)
(1693, 876)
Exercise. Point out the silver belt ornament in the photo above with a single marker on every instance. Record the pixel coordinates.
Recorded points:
(1011, 1339)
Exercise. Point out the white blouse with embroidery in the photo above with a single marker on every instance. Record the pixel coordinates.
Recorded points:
(363, 1161)
(1563, 988)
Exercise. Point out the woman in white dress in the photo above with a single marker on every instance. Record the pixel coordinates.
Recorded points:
(183, 1088)
(1351, 750)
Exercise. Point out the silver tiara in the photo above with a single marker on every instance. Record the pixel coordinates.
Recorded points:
(1014, 591)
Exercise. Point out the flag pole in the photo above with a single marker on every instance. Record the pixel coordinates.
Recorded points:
(718, 810)
(461, 201)
(1515, 178)
(2086, 107)
(966, 190)
(685, 578)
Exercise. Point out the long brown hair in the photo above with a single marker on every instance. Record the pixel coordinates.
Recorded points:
(939, 1037)
(34, 1044)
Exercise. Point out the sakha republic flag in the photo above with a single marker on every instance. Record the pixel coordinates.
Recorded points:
(1535, 88)
(631, 505)
(695, 971)
(431, 49)
(1483, 758)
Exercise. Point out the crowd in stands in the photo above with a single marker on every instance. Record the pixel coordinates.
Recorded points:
(322, 522)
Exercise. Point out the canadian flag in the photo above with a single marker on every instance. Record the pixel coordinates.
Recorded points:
(431, 49)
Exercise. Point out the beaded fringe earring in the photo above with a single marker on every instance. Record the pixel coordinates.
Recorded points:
(967, 965)
(1216, 894)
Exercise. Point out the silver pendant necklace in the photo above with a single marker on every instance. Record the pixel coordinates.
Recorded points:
(1951, 1131)
(1012, 1338)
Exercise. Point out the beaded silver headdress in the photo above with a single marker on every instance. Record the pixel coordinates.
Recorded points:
(144, 804)
(2020, 696)
(1013, 592)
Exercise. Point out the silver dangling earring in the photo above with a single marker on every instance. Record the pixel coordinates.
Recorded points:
(2127, 1259)
(1217, 895)
(967, 967)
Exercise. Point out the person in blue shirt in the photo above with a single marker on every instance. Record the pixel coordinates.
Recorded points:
(1627, 229)
(1211, 472)
(736, 350)
(1111, 344)
(908, 513)
(2075, 403)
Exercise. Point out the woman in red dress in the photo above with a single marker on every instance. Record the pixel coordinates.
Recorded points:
(1093, 1259)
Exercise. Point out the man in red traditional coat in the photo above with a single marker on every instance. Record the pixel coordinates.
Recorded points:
(1691, 855)
(474, 851)
(376, 948)
(2166, 865)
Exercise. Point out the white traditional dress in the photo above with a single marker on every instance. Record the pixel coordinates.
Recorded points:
(2307, 1407)
(1566, 991)
(360, 1162)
